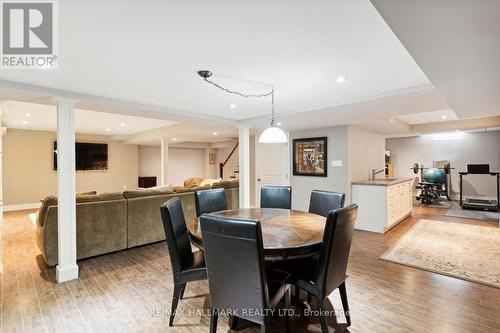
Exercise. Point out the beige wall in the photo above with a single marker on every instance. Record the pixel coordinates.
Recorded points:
(183, 163)
(28, 174)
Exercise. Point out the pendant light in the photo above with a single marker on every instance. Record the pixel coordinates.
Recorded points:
(271, 134)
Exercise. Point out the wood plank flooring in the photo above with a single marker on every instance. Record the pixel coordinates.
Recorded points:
(131, 290)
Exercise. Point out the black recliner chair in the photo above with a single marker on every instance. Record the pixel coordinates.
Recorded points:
(209, 201)
(276, 197)
(187, 266)
(321, 275)
(237, 276)
(322, 202)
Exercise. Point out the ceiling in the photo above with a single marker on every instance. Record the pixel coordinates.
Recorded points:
(147, 68)
(148, 52)
(457, 45)
(428, 117)
(44, 118)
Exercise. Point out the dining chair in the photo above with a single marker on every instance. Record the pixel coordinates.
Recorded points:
(321, 275)
(187, 266)
(322, 202)
(237, 276)
(209, 201)
(276, 197)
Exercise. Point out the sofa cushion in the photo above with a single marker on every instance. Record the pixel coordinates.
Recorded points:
(209, 181)
(193, 182)
(226, 184)
(86, 193)
(146, 193)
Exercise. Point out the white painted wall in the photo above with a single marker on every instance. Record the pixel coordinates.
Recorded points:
(359, 150)
(337, 179)
(150, 162)
(183, 163)
(481, 147)
(366, 152)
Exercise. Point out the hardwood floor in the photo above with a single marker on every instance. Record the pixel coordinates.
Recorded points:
(131, 290)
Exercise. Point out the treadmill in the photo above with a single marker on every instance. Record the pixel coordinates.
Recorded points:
(480, 204)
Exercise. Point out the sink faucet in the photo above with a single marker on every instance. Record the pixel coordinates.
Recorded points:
(376, 172)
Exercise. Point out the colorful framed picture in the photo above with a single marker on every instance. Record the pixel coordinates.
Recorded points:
(310, 157)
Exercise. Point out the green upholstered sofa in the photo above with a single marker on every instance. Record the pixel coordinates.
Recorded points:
(115, 221)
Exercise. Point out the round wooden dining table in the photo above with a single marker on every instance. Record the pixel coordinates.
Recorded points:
(285, 233)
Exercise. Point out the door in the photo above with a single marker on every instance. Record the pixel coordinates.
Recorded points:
(272, 165)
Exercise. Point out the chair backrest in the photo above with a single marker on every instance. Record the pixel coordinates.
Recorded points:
(334, 253)
(322, 202)
(174, 224)
(209, 201)
(276, 197)
(235, 265)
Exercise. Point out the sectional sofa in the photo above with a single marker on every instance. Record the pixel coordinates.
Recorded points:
(111, 222)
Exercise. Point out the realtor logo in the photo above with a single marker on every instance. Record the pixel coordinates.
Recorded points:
(28, 31)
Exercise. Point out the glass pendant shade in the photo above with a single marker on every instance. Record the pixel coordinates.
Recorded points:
(273, 135)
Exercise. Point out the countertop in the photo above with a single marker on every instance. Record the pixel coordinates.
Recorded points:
(382, 181)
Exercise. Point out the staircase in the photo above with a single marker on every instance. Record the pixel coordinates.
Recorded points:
(230, 168)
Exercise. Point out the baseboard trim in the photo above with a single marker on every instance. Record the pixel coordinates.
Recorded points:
(11, 208)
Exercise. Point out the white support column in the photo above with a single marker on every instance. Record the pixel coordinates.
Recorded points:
(244, 164)
(67, 269)
(3, 109)
(164, 161)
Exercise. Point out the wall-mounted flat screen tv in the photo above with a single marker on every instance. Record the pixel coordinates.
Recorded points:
(89, 156)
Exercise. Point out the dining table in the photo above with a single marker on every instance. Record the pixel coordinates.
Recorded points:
(286, 234)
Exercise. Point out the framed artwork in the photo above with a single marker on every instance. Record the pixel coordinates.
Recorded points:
(309, 157)
(211, 158)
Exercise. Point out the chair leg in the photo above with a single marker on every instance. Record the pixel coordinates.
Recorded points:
(182, 291)
(175, 301)
(264, 326)
(345, 303)
(213, 321)
(233, 323)
(288, 299)
(309, 298)
(322, 318)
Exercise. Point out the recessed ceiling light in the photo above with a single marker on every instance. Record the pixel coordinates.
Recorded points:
(122, 124)
(444, 117)
(28, 115)
(215, 133)
(341, 79)
(232, 106)
(108, 129)
(24, 122)
(279, 123)
(174, 139)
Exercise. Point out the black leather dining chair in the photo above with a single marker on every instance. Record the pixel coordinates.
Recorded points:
(209, 201)
(237, 276)
(322, 202)
(187, 266)
(321, 275)
(276, 197)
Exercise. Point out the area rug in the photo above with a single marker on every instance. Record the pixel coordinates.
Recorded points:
(457, 211)
(464, 251)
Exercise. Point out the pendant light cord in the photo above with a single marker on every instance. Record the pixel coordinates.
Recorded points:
(271, 93)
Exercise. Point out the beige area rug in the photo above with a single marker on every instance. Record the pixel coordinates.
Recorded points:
(464, 251)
